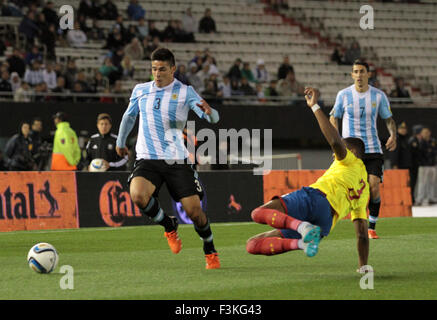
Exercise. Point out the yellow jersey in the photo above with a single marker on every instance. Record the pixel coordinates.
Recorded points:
(346, 187)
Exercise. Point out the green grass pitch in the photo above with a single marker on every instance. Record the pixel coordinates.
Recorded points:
(135, 263)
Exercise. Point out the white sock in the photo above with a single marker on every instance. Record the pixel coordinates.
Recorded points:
(303, 226)
(301, 244)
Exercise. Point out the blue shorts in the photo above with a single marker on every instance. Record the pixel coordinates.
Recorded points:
(307, 204)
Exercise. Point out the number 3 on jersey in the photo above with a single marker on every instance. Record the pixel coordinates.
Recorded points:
(157, 103)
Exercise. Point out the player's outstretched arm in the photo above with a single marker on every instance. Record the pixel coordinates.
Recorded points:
(391, 127)
(362, 241)
(329, 131)
(126, 125)
(211, 115)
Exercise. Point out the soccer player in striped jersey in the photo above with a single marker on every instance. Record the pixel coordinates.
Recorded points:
(359, 106)
(301, 218)
(163, 105)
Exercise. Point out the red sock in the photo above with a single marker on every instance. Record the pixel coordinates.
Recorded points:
(275, 219)
(271, 246)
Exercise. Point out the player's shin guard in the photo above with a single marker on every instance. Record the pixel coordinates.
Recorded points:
(205, 234)
(275, 219)
(154, 212)
(374, 206)
(270, 246)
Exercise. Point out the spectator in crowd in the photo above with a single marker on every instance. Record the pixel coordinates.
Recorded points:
(414, 146)
(59, 69)
(181, 35)
(400, 91)
(207, 56)
(352, 53)
(66, 151)
(15, 81)
(149, 47)
(48, 39)
(99, 83)
(169, 33)
(134, 49)
(154, 32)
(212, 66)
(128, 68)
(135, 11)
(70, 73)
(284, 68)
(49, 75)
(34, 74)
(96, 32)
(114, 40)
(131, 32)
(246, 72)
(106, 98)
(235, 87)
(235, 71)
(88, 9)
(225, 88)
(181, 74)
(373, 79)
(5, 84)
(337, 55)
(119, 24)
(207, 23)
(203, 74)
(81, 19)
(271, 91)
(193, 79)
(76, 38)
(189, 23)
(210, 90)
(197, 57)
(427, 174)
(261, 74)
(23, 93)
(34, 54)
(81, 78)
(18, 150)
(289, 87)
(260, 92)
(60, 89)
(16, 63)
(50, 14)
(109, 10)
(118, 89)
(246, 88)
(29, 28)
(41, 23)
(40, 91)
(108, 68)
(143, 29)
(102, 146)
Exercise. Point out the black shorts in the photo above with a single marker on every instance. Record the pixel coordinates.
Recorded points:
(374, 163)
(181, 179)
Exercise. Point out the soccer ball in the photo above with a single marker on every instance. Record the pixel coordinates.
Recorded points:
(42, 258)
(97, 165)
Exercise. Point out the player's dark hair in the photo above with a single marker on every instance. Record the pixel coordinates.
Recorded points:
(357, 144)
(361, 62)
(163, 54)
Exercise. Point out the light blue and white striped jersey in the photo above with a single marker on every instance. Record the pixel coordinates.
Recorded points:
(163, 115)
(360, 111)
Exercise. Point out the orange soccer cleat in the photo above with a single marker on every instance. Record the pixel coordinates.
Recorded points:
(212, 261)
(173, 240)
(372, 234)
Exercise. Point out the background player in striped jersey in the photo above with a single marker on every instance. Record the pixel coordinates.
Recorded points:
(359, 106)
(163, 106)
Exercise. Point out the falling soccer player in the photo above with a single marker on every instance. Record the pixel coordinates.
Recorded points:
(302, 218)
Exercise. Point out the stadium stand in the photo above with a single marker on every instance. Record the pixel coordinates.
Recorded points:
(402, 45)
